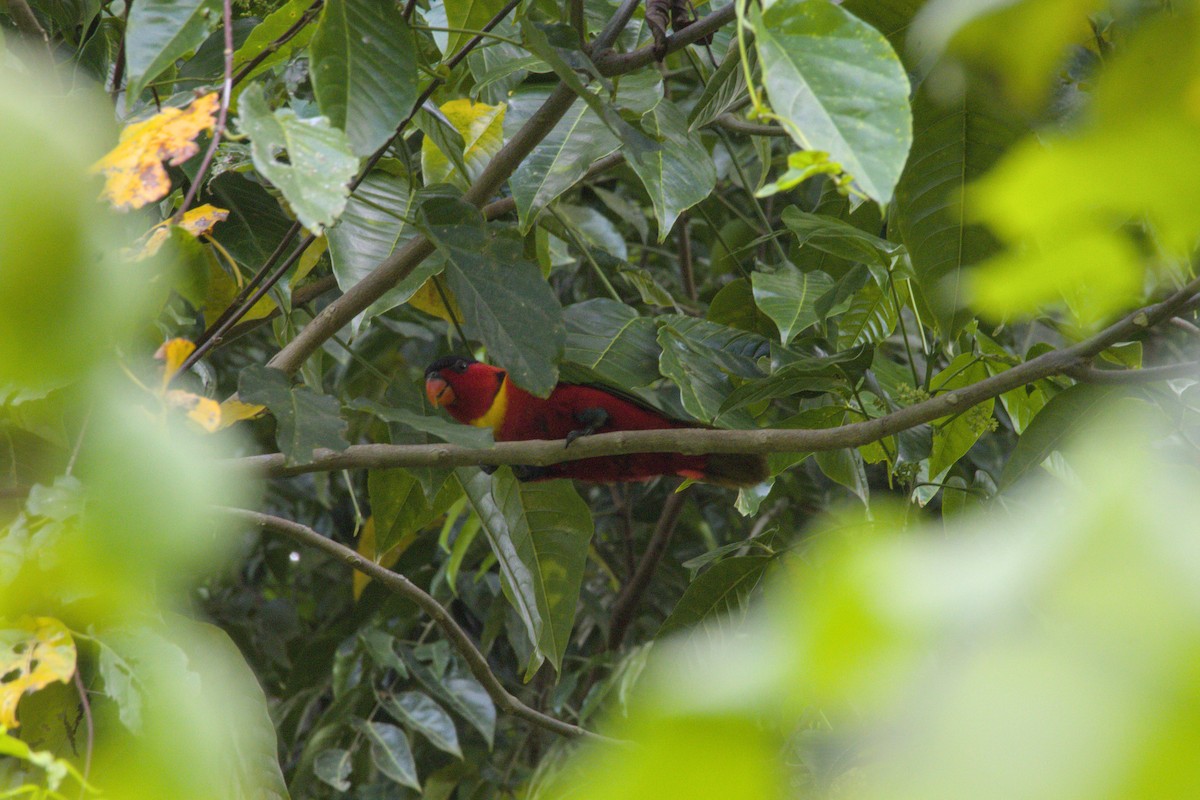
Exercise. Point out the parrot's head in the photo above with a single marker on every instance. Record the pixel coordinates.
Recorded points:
(463, 386)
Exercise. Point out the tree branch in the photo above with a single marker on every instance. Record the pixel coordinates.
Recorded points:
(630, 596)
(395, 582)
(696, 441)
(732, 123)
(403, 261)
(222, 113)
(1091, 374)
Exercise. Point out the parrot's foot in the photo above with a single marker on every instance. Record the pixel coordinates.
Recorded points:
(592, 420)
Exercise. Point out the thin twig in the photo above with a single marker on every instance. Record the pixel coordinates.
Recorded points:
(686, 273)
(27, 23)
(222, 113)
(91, 733)
(733, 124)
(1092, 374)
(630, 596)
(696, 441)
(395, 582)
(285, 37)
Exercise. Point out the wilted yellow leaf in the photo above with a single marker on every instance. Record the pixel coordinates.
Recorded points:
(482, 129)
(197, 222)
(234, 410)
(133, 170)
(173, 353)
(222, 289)
(204, 411)
(428, 300)
(35, 653)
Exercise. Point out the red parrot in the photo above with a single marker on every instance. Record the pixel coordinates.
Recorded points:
(482, 395)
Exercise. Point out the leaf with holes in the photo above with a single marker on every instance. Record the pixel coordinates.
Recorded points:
(35, 653)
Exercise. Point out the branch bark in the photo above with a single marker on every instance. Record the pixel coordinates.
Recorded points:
(695, 441)
(395, 582)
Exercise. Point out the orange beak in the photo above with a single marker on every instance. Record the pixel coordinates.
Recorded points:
(438, 391)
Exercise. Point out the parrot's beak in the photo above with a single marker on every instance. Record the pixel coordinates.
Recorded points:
(438, 391)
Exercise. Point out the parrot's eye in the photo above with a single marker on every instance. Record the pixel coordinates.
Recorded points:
(460, 365)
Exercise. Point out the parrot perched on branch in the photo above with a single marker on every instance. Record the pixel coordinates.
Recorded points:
(482, 395)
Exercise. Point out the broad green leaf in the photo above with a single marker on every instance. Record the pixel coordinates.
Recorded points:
(892, 18)
(703, 386)
(612, 340)
(443, 135)
(309, 161)
(460, 692)
(594, 229)
(506, 303)
(304, 420)
(953, 436)
(839, 88)
(679, 173)
(838, 297)
(333, 766)
(265, 35)
(1060, 421)
(549, 528)
(787, 382)
(390, 752)
(724, 90)
(399, 506)
(735, 351)
(734, 306)
(161, 31)
(846, 467)
(871, 317)
(482, 129)
(650, 290)
(953, 146)
(516, 576)
(422, 714)
(788, 296)
(255, 224)
(363, 59)
(841, 239)
(468, 14)
(720, 592)
(369, 230)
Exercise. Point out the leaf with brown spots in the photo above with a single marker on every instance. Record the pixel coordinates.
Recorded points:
(34, 653)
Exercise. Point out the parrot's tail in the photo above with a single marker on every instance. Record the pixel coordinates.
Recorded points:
(735, 470)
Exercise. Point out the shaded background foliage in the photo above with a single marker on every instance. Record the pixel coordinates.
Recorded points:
(831, 213)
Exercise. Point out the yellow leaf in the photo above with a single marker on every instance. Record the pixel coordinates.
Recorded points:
(173, 353)
(37, 652)
(366, 549)
(133, 170)
(197, 222)
(309, 259)
(234, 410)
(204, 411)
(428, 300)
(482, 129)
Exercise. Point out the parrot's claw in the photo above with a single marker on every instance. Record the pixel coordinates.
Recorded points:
(592, 420)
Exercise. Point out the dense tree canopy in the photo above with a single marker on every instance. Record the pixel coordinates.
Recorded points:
(934, 260)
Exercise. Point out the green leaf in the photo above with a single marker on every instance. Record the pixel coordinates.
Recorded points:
(539, 533)
(724, 90)
(954, 436)
(734, 306)
(679, 173)
(161, 31)
(650, 290)
(390, 752)
(787, 382)
(871, 318)
(953, 146)
(332, 766)
(838, 238)
(846, 467)
(304, 420)
(469, 14)
(363, 61)
(840, 87)
(460, 692)
(1066, 414)
(506, 303)
(612, 340)
(256, 224)
(722, 590)
(788, 296)
(463, 138)
(400, 507)
(419, 712)
(318, 164)
(266, 34)
(703, 386)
